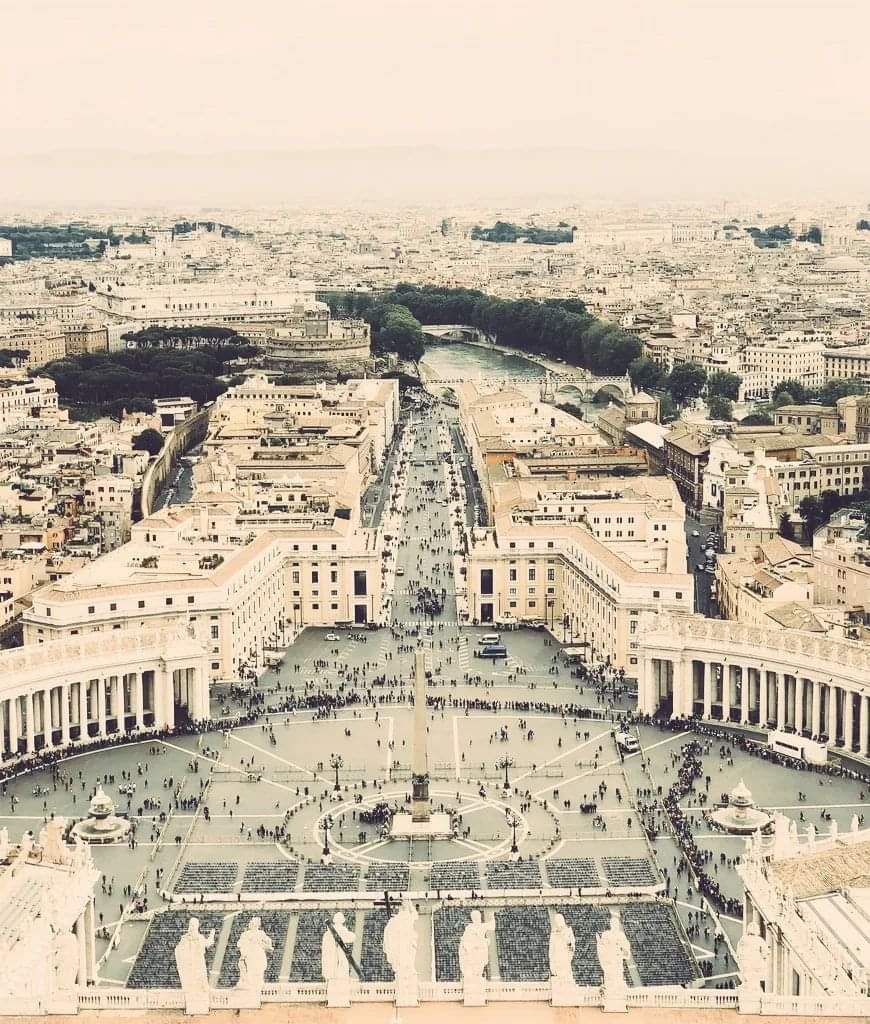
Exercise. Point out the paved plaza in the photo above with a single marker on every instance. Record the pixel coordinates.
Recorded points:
(240, 820)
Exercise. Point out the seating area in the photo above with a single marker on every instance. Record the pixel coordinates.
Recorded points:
(513, 874)
(275, 924)
(330, 878)
(270, 876)
(372, 959)
(383, 877)
(587, 922)
(572, 872)
(522, 936)
(657, 946)
(155, 963)
(628, 871)
(448, 925)
(306, 963)
(206, 876)
(461, 874)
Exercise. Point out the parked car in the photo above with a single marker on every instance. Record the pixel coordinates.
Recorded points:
(333, 638)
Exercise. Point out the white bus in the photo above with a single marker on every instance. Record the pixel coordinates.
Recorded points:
(793, 745)
(627, 743)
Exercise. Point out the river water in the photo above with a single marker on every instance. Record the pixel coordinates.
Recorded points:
(461, 361)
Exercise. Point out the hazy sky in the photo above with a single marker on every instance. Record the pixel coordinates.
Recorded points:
(645, 96)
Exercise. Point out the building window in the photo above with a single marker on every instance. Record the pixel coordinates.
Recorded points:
(486, 581)
(141, 604)
(360, 583)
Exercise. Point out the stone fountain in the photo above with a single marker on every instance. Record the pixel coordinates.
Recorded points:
(103, 825)
(740, 815)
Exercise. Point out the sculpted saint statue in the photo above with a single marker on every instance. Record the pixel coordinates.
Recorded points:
(335, 961)
(190, 957)
(562, 945)
(474, 947)
(66, 961)
(254, 948)
(752, 953)
(613, 950)
(400, 943)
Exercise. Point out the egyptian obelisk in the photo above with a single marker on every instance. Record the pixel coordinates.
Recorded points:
(420, 769)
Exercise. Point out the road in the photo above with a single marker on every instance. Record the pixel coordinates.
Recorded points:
(704, 603)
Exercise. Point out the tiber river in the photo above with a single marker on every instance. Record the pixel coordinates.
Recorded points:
(461, 361)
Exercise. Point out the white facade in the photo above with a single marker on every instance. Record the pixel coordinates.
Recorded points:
(23, 397)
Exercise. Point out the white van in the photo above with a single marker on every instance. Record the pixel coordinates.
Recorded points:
(793, 745)
(627, 743)
(490, 638)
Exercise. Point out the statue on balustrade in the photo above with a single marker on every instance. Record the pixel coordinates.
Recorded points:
(400, 949)
(563, 987)
(254, 949)
(752, 953)
(614, 950)
(65, 965)
(51, 842)
(190, 961)
(336, 955)
(474, 957)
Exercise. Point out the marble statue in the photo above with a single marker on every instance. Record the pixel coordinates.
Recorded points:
(752, 953)
(613, 950)
(190, 961)
(562, 945)
(51, 842)
(335, 954)
(254, 949)
(400, 949)
(854, 824)
(833, 828)
(563, 988)
(473, 958)
(811, 835)
(4, 843)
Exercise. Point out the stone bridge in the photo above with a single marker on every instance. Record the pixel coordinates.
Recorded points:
(454, 332)
(551, 387)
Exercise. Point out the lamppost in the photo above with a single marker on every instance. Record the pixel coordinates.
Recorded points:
(503, 764)
(336, 761)
(513, 821)
(327, 825)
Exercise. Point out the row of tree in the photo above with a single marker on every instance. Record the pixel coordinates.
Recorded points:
(559, 328)
(131, 379)
(505, 231)
(816, 511)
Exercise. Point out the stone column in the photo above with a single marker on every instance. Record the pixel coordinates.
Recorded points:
(101, 706)
(64, 713)
(14, 725)
(139, 683)
(29, 702)
(745, 683)
(832, 714)
(799, 704)
(848, 718)
(762, 698)
(780, 700)
(863, 726)
(706, 678)
(120, 715)
(83, 710)
(816, 725)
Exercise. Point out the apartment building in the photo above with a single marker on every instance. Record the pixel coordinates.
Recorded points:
(841, 559)
(586, 559)
(22, 398)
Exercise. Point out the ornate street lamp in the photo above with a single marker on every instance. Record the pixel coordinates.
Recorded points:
(336, 761)
(503, 764)
(513, 821)
(327, 825)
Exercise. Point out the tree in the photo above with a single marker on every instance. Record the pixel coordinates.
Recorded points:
(724, 385)
(812, 514)
(645, 374)
(830, 501)
(863, 225)
(793, 389)
(786, 527)
(756, 419)
(834, 390)
(149, 440)
(668, 411)
(686, 381)
(720, 408)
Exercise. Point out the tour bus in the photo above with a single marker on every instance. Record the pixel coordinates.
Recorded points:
(492, 651)
(489, 638)
(627, 743)
(793, 745)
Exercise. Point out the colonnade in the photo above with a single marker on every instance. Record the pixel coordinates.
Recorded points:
(726, 688)
(57, 712)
